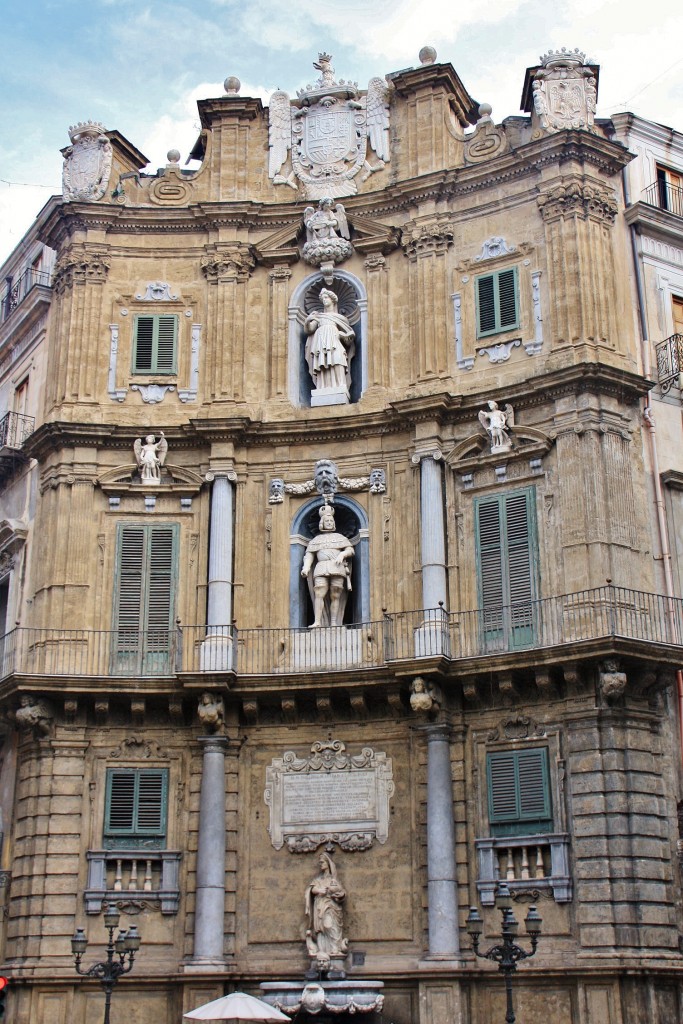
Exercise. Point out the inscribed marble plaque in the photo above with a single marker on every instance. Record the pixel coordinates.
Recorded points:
(329, 797)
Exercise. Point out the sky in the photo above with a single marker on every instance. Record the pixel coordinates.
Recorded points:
(140, 67)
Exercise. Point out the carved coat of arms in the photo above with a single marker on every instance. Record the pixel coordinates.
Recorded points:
(565, 92)
(325, 134)
(87, 162)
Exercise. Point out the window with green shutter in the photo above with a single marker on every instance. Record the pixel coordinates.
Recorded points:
(144, 598)
(497, 302)
(507, 568)
(155, 343)
(519, 792)
(136, 808)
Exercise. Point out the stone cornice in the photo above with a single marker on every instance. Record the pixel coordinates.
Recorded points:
(651, 220)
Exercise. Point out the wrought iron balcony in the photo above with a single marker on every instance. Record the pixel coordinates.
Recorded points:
(15, 429)
(668, 354)
(20, 288)
(666, 196)
(573, 621)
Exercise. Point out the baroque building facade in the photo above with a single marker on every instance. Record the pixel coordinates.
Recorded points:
(337, 543)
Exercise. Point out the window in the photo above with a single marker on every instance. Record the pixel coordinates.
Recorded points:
(135, 809)
(154, 344)
(144, 599)
(519, 792)
(21, 397)
(497, 302)
(507, 569)
(670, 190)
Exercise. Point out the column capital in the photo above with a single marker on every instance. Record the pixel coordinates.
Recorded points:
(431, 453)
(214, 744)
(220, 474)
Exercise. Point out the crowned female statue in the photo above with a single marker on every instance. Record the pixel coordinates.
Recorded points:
(330, 347)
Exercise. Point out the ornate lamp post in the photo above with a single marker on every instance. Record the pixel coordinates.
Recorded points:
(110, 970)
(507, 953)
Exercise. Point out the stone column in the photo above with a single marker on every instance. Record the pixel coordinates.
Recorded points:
(210, 894)
(216, 650)
(432, 531)
(441, 882)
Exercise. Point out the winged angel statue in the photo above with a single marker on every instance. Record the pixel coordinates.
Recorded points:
(326, 129)
(497, 423)
(150, 457)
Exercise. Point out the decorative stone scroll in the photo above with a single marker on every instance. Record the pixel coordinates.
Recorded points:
(329, 797)
(327, 483)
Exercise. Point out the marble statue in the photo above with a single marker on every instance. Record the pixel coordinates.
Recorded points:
(328, 554)
(327, 234)
(497, 423)
(424, 696)
(319, 141)
(330, 347)
(211, 712)
(324, 897)
(150, 457)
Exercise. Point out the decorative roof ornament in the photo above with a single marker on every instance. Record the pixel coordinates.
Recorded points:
(325, 133)
(87, 162)
(563, 58)
(565, 93)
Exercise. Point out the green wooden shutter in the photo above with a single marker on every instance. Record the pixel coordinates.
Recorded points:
(519, 791)
(497, 302)
(507, 568)
(155, 344)
(135, 808)
(144, 598)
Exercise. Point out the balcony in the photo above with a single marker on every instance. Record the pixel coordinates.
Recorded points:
(15, 429)
(584, 624)
(528, 864)
(668, 355)
(665, 196)
(132, 880)
(21, 288)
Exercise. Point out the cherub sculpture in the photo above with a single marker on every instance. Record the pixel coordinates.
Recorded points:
(497, 424)
(150, 457)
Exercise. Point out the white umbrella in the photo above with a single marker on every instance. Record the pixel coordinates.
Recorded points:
(237, 1008)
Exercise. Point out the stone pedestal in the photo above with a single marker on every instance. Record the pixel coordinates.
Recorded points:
(329, 396)
(431, 637)
(216, 652)
(327, 647)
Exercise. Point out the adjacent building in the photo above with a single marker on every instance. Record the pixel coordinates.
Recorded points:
(341, 556)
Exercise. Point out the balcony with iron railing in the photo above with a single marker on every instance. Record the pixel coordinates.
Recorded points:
(586, 623)
(668, 353)
(15, 428)
(20, 289)
(665, 196)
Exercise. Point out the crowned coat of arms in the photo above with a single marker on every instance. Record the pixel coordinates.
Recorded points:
(87, 162)
(325, 133)
(565, 92)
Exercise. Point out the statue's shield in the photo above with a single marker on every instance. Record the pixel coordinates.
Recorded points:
(329, 135)
(87, 164)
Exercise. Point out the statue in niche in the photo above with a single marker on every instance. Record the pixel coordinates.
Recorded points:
(330, 347)
(324, 898)
(330, 553)
(497, 423)
(150, 457)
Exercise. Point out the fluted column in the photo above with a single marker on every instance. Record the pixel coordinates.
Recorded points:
(210, 894)
(441, 882)
(432, 530)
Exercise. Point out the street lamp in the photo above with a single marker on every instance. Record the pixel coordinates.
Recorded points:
(108, 971)
(507, 953)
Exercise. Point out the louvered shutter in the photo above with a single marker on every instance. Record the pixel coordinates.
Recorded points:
(155, 344)
(136, 808)
(490, 564)
(486, 304)
(160, 586)
(507, 299)
(167, 327)
(497, 302)
(143, 356)
(519, 791)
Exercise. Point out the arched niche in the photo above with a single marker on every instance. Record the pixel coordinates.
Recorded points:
(352, 521)
(353, 304)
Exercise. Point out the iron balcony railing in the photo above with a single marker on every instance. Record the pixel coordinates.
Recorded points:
(666, 196)
(668, 354)
(588, 615)
(19, 289)
(15, 429)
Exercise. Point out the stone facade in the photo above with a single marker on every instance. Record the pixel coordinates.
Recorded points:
(487, 263)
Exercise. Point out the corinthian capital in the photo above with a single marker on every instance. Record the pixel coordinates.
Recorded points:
(233, 262)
